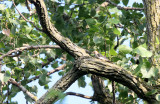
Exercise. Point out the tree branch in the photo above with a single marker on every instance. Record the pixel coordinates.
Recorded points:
(79, 95)
(88, 65)
(100, 94)
(52, 32)
(49, 73)
(118, 74)
(23, 89)
(28, 48)
(124, 8)
(25, 18)
(61, 85)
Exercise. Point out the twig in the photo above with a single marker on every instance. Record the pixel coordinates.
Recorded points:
(124, 8)
(25, 18)
(113, 91)
(28, 48)
(50, 59)
(121, 26)
(23, 89)
(79, 95)
(49, 73)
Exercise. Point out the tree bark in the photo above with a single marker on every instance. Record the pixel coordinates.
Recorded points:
(86, 64)
(61, 85)
(152, 13)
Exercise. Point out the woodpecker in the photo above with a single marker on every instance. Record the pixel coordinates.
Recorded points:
(100, 56)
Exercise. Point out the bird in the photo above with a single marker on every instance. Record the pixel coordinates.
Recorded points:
(100, 56)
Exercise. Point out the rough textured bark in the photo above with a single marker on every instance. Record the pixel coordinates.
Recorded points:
(61, 85)
(100, 93)
(86, 64)
(52, 32)
(118, 74)
(152, 13)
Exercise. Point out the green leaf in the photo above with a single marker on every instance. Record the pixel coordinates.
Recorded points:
(125, 2)
(91, 21)
(34, 89)
(2, 6)
(148, 72)
(7, 76)
(158, 97)
(116, 31)
(142, 52)
(43, 79)
(97, 39)
(83, 12)
(13, 21)
(114, 10)
(113, 21)
(28, 29)
(124, 49)
(2, 45)
(17, 68)
(53, 53)
(54, 93)
(81, 82)
(93, 12)
(157, 40)
(91, 1)
(112, 52)
(2, 77)
(151, 92)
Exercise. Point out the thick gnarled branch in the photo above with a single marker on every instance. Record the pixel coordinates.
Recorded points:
(118, 74)
(52, 32)
(61, 85)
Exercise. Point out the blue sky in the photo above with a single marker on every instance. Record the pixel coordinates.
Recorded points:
(74, 88)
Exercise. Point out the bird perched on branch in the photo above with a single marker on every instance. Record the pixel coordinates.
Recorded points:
(100, 56)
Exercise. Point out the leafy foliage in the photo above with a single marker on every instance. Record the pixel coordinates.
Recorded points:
(86, 26)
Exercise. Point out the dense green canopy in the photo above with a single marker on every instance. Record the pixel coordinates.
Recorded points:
(63, 34)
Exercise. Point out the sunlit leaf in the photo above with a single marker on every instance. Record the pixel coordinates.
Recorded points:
(158, 97)
(91, 21)
(142, 52)
(116, 31)
(97, 39)
(2, 6)
(148, 72)
(124, 49)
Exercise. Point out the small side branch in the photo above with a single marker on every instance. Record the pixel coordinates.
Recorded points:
(23, 89)
(25, 18)
(49, 73)
(79, 95)
(28, 48)
(124, 8)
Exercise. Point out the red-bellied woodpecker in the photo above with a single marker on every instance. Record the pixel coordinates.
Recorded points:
(100, 56)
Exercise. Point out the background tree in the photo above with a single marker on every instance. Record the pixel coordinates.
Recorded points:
(64, 33)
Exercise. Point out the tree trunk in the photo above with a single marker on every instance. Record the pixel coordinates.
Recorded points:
(152, 12)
